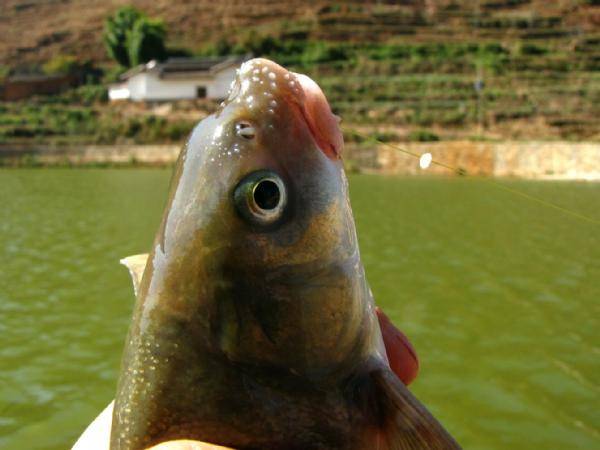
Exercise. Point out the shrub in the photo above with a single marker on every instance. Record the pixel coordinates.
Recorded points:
(146, 41)
(61, 64)
(4, 72)
(423, 136)
(132, 38)
(385, 136)
(91, 93)
(532, 49)
(320, 52)
(116, 29)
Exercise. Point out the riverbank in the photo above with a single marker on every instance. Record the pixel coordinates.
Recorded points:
(527, 160)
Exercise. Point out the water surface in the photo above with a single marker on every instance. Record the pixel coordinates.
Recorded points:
(500, 296)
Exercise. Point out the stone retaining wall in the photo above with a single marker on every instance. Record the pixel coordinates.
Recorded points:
(560, 160)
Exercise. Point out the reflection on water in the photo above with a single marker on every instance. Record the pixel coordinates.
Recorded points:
(498, 294)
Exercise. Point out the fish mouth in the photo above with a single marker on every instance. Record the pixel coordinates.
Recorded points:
(323, 124)
(264, 84)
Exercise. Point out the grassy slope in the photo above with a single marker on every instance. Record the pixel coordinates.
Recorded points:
(406, 70)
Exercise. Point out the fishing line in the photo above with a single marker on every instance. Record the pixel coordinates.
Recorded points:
(463, 172)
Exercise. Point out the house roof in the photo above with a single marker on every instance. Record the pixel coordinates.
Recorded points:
(186, 67)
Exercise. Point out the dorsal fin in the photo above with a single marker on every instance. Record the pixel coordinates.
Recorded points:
(136, 265)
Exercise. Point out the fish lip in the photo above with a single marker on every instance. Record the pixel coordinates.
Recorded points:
(323, 124)
(300, 91)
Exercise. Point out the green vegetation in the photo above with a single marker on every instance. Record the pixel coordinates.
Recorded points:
(82, 116)
(423, 136)
(61, 64)
(4, 72)
(417, 77)
(132, 38)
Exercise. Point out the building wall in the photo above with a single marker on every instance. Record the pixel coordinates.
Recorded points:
(137, 87)
(219, 88)
(17, 89)
(119, 91)
(155, 88)
(148, 86)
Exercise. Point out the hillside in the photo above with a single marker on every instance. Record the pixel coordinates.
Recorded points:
(401, 70)
(74, 26)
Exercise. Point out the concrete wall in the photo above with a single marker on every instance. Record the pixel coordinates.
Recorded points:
(534, 160)
(137, 87)
(557, 160)
(90, 154)
(149, 86)
(25, 87)
(156, 88)
(219, 88)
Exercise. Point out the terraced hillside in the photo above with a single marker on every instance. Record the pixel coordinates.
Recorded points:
(402, 70)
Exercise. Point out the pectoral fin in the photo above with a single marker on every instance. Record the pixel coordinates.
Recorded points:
(136, 265)
(400, 421)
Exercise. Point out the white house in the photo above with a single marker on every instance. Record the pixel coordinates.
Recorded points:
(177, 79)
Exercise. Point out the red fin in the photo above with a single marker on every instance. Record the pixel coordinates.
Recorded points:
(400, 352)
(406, 422)
(395, 418)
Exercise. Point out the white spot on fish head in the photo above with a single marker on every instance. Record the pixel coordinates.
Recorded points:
(218, 132)
(245, 86)
(246, 67)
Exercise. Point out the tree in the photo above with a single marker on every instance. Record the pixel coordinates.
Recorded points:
(132, 38)
(115, 33)
(146, 41)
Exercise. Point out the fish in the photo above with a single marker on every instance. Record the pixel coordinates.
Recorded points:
(254, 325)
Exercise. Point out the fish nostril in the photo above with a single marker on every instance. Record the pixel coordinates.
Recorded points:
(245, 130)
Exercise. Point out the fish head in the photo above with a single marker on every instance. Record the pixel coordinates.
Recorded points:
(257, 252)
(254, 326)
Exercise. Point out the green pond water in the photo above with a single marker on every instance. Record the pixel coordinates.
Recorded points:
(499, 294)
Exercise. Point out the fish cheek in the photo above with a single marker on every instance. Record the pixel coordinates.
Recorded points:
(288, 282)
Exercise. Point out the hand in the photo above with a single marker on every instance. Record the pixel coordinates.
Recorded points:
(187, 445)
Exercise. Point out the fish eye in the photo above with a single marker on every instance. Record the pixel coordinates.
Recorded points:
(245, 130)
(261, 197)
(266, 195)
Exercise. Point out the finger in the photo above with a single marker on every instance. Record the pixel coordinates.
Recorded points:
(401, 354)
(187, 445)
